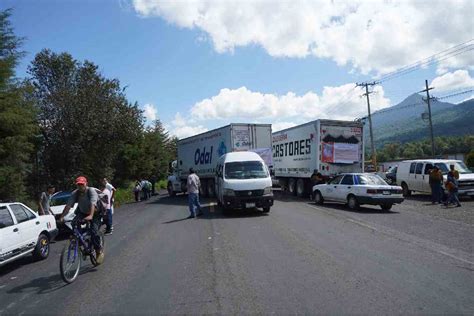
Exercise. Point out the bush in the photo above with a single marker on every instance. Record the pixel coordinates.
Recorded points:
(162, 184)
(124, 195)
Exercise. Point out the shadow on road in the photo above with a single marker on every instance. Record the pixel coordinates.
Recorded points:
(45, 285)
(362, 210)
(16, 264)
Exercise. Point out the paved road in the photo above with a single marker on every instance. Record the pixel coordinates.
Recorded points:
(300, 258)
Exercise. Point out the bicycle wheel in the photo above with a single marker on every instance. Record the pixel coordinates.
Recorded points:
(70, 261)
(93, 256)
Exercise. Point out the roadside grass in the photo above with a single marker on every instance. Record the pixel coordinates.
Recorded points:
(124, 195)
(162, 184)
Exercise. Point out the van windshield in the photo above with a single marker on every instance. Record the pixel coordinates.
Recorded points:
(245, 170)
(458, 165)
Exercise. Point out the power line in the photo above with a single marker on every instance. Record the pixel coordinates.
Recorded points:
(436, 58)
(454, 94)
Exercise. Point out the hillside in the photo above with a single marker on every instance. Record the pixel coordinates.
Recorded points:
(403, 122)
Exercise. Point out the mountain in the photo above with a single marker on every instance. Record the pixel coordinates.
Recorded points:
(403, 122)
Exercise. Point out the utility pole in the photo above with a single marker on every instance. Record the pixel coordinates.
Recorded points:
(372, 146)
(427, 90)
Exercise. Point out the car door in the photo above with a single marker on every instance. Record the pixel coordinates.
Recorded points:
(411, 176)
(332, 188)
(9, 234)
(426, 177)
(28, 225)
(417, 178)
(345, 187)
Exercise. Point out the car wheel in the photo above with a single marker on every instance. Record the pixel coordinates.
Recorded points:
(352, 202)
(318, 198)
(406, 192)
(386, 207)
(41, 251)
(266, 209)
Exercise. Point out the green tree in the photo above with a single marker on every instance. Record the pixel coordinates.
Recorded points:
(17, 117)
(85, 118)
(470, 160)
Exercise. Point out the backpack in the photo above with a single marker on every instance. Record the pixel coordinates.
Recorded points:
(102, 201)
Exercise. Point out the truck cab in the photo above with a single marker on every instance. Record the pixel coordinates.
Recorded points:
(243, 181)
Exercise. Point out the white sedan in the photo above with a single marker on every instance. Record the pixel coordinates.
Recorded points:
(355, 189)
(22, 232)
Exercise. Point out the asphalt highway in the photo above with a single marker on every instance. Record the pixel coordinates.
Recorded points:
(298, 259)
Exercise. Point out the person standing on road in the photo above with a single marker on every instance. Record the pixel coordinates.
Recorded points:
(435, 180)
(44, 201)
(316, 178)
(454, 171)
(110, 213)
(452, 187)
(193, 185)
(136, 190)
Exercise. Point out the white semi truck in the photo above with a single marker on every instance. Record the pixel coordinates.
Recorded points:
(202, 152)
(328, 146)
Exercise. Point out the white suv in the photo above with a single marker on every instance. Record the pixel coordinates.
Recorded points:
(22, 232)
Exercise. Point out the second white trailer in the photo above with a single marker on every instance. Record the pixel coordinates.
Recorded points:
(328, 146)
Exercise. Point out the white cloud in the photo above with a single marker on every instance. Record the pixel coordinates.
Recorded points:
(150, 112)
(459, 79)
(282, 111)
(278, 126)
(343, 102)
(181, 128)
(378, 36)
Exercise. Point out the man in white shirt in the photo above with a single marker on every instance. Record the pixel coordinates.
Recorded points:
(109, 190)
(193, 185)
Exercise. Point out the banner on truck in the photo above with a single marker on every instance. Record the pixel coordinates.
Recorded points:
(340, 153)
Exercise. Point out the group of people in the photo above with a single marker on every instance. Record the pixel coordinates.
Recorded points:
(90, 201)
(451, 184)
(142, 190)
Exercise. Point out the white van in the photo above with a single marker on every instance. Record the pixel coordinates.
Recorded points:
(413, 175)
(243, 181)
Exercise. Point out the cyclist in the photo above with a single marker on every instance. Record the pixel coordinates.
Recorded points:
(86, 199)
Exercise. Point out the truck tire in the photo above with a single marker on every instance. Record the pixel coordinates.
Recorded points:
(170, 189)
(292, 186)
(406, 192)
(203, 188)
(211, 188)
(300, 188)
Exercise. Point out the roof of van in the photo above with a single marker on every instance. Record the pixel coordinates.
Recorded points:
(242, 156)
(431, 160)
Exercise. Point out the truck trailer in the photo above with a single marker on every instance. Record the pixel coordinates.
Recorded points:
(202, 152)
(328, 146)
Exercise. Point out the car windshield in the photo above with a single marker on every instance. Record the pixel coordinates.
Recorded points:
(371, 179)
(60, 198)
(245, 170)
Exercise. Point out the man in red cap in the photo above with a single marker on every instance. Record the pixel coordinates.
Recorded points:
(86, 199)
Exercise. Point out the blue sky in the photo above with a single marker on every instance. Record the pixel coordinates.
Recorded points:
(200, 65)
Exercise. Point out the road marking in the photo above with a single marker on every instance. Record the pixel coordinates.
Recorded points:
(429, 245)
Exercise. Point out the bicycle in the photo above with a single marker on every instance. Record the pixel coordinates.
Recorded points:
(80, 246)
